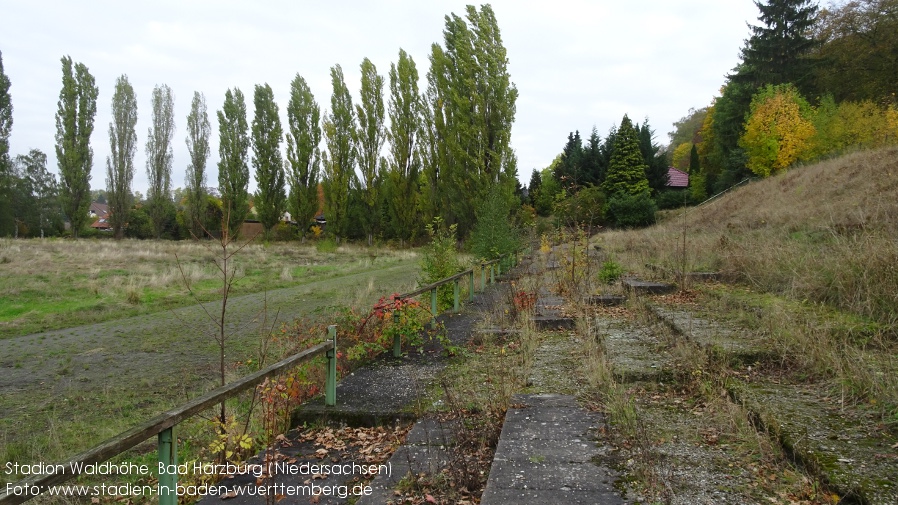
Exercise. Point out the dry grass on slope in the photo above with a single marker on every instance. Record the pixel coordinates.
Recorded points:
(825, 233)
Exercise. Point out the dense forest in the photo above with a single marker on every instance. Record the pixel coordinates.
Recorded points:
(812, 82)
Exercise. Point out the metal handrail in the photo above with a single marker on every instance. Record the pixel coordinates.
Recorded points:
(163, 426)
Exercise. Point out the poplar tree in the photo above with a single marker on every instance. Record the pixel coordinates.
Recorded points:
(339, 165)
(404, 133)
(6, 212)
(271, 200)
(77, 108)
(159, 157)
(472, 107)
(233, 170)
(370, 138)
(40, 193)
(198, 133)
(303, 156)
(120, 162)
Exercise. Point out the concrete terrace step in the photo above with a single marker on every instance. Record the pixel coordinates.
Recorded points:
(546, 453)
(851, 451)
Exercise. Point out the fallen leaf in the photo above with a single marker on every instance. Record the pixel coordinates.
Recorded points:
(430, 499)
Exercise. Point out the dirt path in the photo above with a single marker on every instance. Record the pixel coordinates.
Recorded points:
(63, 390)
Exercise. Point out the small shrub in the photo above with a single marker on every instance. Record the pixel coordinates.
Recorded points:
(440, 259)
(629, 211)
(494, 235)
(610, 272)
(326, 245)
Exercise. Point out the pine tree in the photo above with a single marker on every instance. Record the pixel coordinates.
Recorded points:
(778, 52)
(594, 165)
(123, 147)
(77, 108)
(271, 199)
(233, 169)
(303, 156)
(655, 160)
(626, 170)
(569, 172)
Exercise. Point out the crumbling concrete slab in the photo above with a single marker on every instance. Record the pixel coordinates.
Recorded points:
(546, 453)
(648, 287)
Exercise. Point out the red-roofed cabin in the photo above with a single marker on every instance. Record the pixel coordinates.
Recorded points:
(677, 179)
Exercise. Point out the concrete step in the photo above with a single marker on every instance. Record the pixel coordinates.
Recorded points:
(546, 453)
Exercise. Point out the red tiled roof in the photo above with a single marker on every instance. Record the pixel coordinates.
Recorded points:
(677, 178)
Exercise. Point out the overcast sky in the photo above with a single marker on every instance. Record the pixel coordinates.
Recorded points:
(576, 63)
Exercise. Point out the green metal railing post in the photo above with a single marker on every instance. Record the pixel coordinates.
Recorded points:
(492, 274)
(482, 276)
(471, 286)
(433, 307)
(168, 459)
(455, 303)
(330, 385)
(397, 338)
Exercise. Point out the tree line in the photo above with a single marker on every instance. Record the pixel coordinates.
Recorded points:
(388, 167)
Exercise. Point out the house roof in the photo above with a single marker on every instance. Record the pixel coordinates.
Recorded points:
(677, 178)
(98, 209)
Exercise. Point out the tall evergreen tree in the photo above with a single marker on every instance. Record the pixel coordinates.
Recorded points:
(339, 166)
(471, 107)
(370, 137)
(123, 147)
(655, 160)
(569, 172)
(303, 156)
(233, 169)
(694, 165)
(779, 50)
(626, 170)
(593, 165)
(159, 157)
(198, 133)
(77, 108)
(404, 134)
(271, 198)
(6, 212)
(536, 181)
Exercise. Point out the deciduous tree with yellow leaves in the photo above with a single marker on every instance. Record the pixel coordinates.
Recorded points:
(778, 131)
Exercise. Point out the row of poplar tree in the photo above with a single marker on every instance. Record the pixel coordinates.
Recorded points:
(447, 147)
